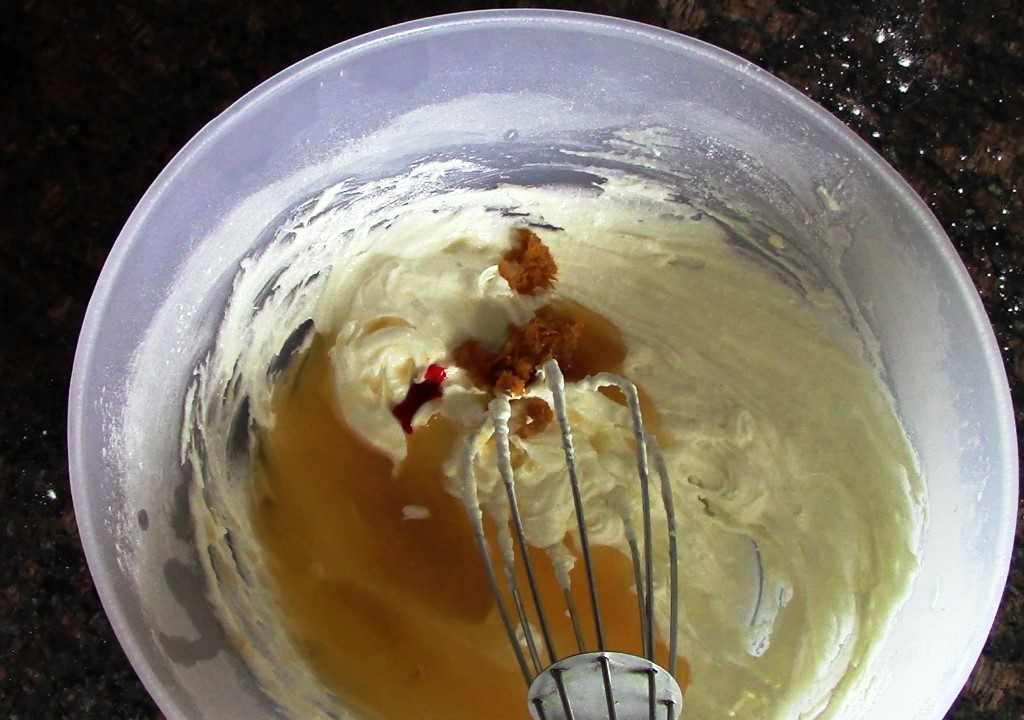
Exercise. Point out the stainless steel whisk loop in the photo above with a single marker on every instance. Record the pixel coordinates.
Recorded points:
(588, 683)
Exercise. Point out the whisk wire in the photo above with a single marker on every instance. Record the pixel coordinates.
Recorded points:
(524, 624)
(652, 697)
(644, 578)
(633, 403)
(570, 603)
(668, 502)
(609, 694)
(556, 383)
(501, 411)
(476, 518)
(562, 694)
(638, 579)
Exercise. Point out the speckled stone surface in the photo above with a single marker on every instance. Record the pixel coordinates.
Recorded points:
(97, 97)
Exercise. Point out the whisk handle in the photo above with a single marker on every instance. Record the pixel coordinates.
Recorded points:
(605, 686)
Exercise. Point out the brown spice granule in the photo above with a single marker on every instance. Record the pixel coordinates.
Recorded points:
(535, 416)
(548, 335)
(528, 267)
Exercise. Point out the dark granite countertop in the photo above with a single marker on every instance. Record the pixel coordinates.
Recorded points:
(97, 97)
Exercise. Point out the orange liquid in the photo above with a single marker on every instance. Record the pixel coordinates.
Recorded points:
(396, 616)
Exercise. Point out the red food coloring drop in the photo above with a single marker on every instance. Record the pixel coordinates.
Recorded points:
(420, 393)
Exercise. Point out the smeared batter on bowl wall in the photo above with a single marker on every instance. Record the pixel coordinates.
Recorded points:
(778, 428)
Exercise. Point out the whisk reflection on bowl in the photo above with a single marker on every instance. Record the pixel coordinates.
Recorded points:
(590, 682)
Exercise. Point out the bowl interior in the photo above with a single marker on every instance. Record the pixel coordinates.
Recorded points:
(513, 90)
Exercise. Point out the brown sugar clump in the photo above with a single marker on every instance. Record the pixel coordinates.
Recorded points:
(528, 267)
(548, 335)
(535, 415)
(478, 360)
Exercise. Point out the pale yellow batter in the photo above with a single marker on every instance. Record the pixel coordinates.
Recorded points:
(781, 435)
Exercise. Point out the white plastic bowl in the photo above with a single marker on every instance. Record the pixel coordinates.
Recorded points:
(512, 88)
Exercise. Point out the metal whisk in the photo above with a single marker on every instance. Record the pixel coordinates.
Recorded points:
(585, 683)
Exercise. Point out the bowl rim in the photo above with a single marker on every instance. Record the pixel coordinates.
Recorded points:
(102, 566)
